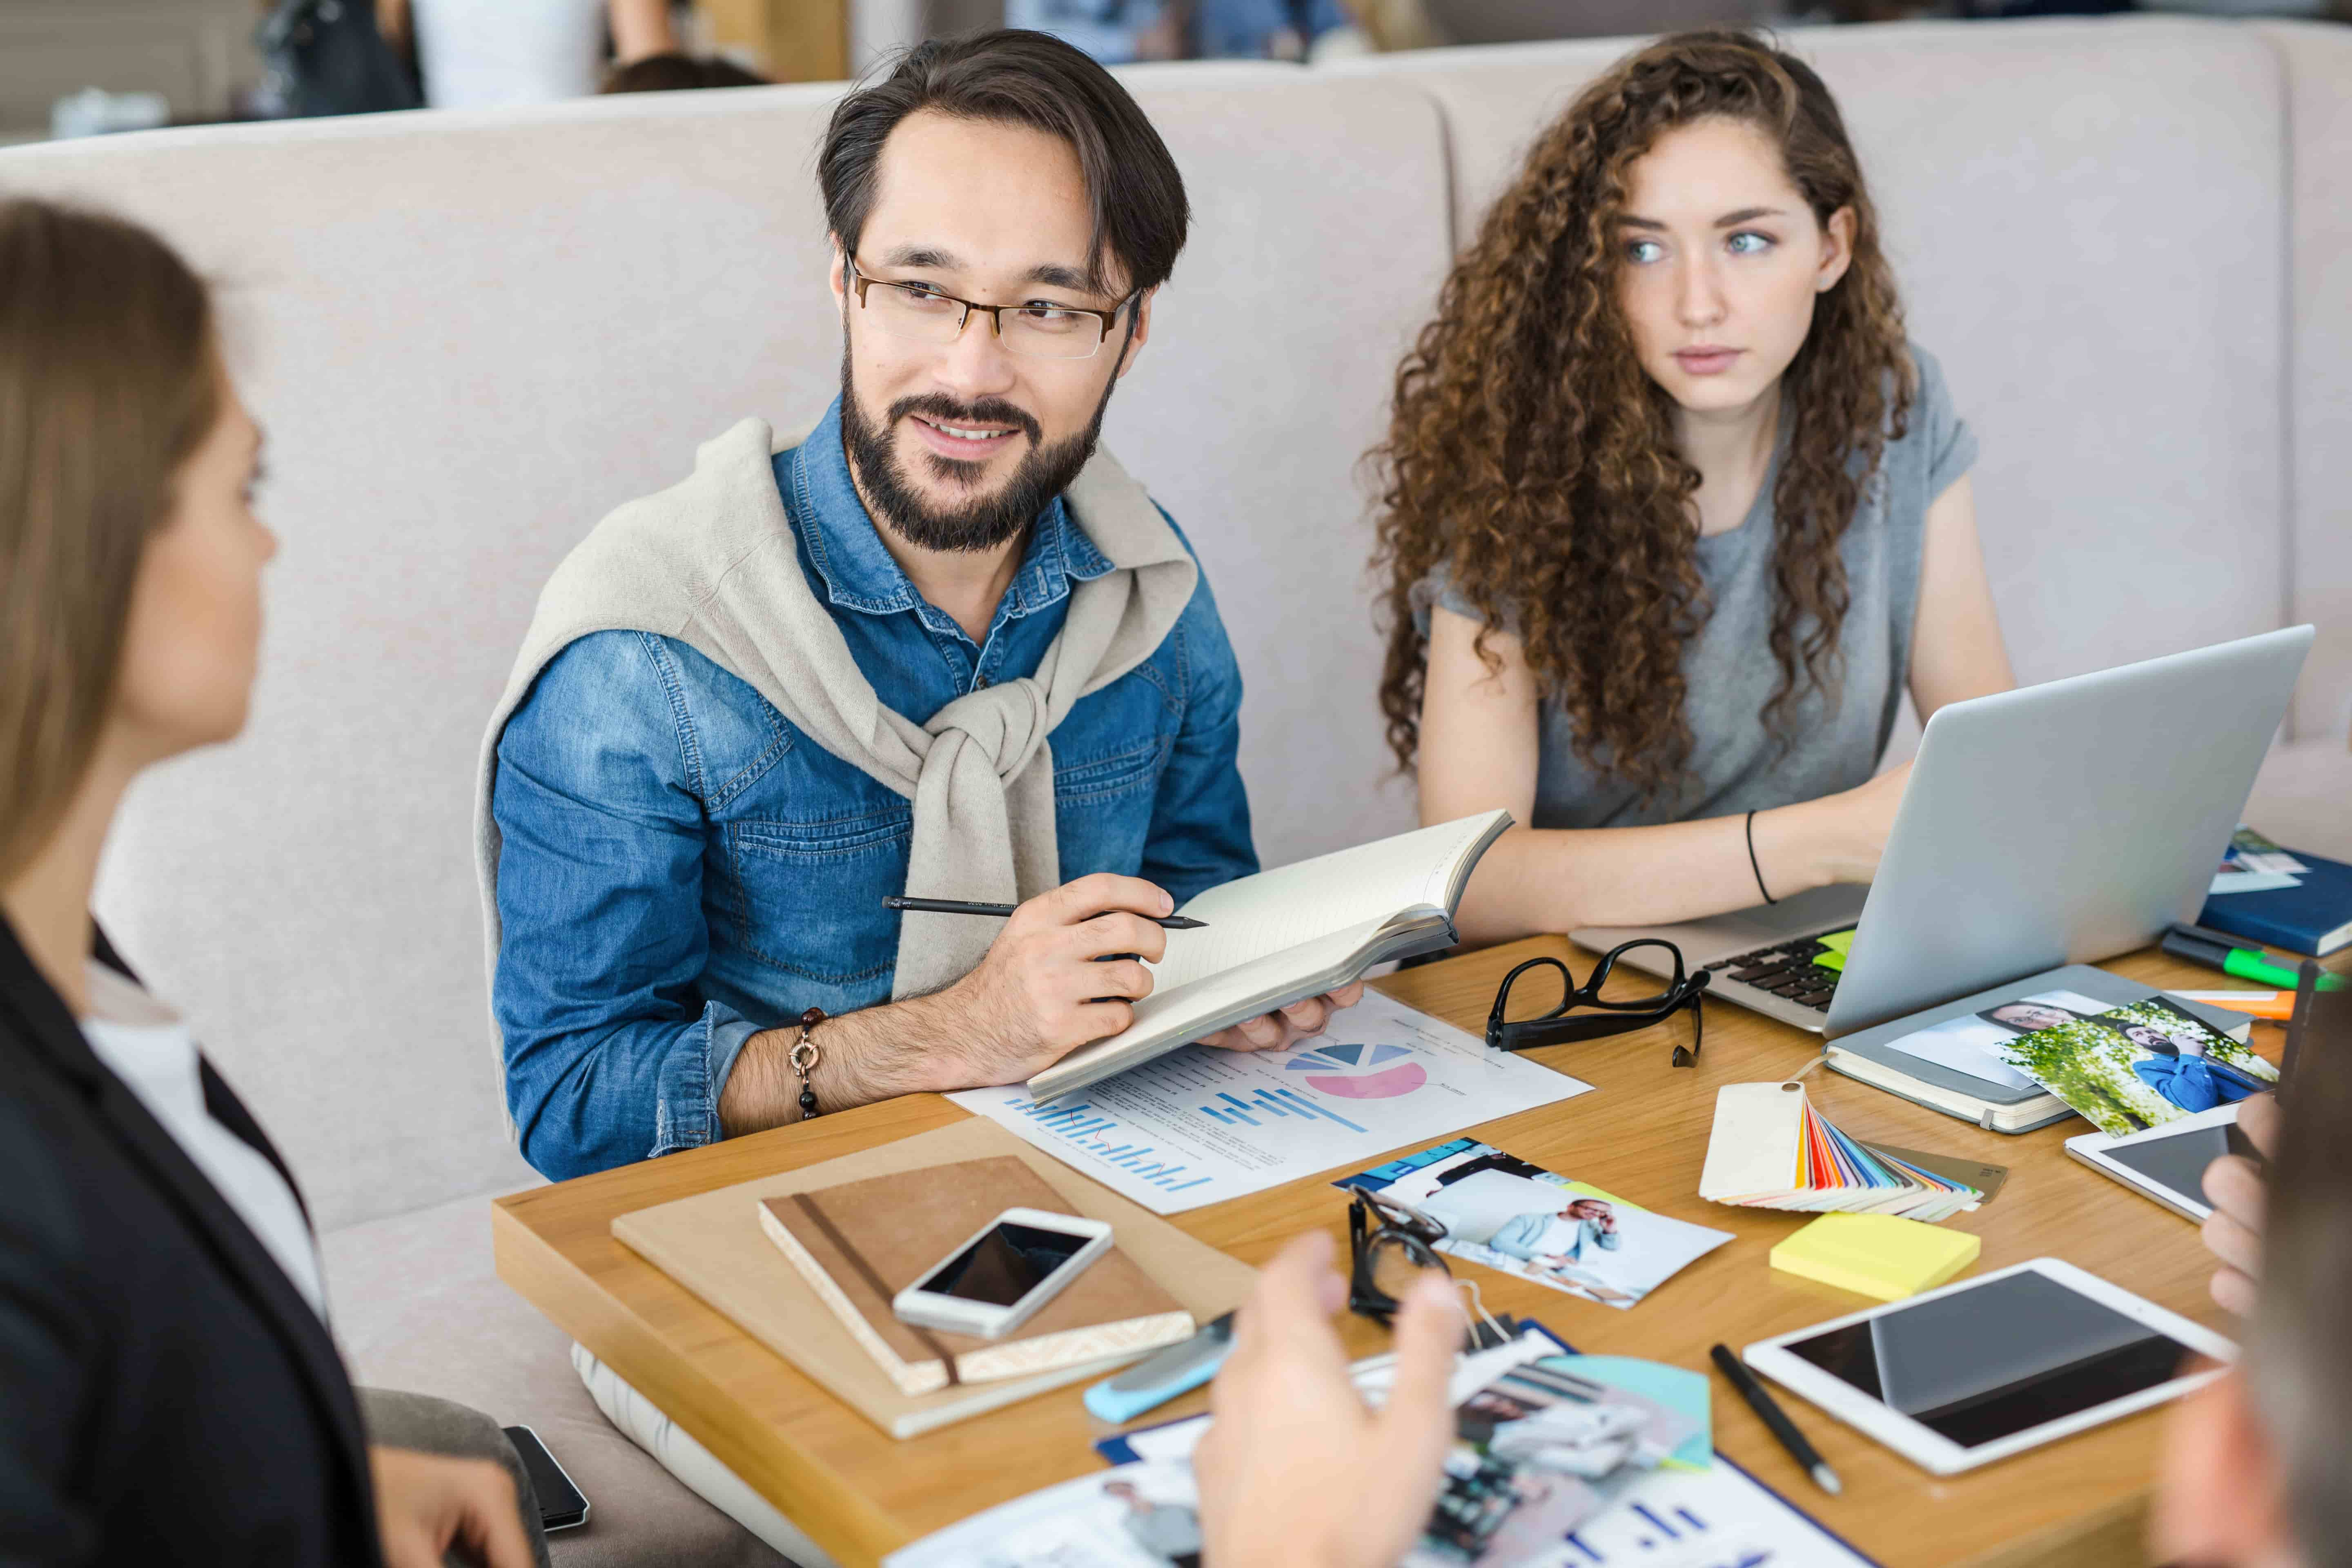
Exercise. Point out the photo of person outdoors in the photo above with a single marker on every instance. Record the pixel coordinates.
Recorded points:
(2181, 1065)
(2138, 1065)
(1503, 1212)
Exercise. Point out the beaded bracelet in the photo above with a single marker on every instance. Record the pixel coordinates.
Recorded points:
(806, 1054)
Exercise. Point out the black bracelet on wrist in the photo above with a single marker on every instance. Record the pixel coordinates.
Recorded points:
(802, 1059)
(1753, 863)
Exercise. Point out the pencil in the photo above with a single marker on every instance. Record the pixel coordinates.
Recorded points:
(957, 906)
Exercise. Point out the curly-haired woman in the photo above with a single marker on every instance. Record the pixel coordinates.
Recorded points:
(1673, 513)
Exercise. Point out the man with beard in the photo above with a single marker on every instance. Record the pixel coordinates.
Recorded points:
(936, 644)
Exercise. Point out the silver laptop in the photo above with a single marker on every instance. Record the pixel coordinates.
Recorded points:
(2054, 825)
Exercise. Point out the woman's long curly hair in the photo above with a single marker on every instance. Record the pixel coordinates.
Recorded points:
(1533, 459)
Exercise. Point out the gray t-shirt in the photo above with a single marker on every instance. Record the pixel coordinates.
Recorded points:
(1735, 763)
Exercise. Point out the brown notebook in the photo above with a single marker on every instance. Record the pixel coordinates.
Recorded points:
(861, 1243)
(711, 1243)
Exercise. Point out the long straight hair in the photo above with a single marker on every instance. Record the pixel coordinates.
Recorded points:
(108, 381)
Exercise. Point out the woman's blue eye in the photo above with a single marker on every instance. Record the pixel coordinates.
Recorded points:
(1641, 252)
(1747, 243)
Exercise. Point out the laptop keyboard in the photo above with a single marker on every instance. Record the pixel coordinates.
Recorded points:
(1786, 970)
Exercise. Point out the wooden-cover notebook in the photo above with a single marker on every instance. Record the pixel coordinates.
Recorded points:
(1295, 931)
(861, 1243)
(712, 1244)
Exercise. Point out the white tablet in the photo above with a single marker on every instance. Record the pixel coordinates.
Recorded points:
(1992, 1367)
(2167, 1163)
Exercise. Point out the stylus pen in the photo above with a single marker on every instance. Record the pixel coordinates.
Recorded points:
(957, 906)
(1767, 1407)
(2237, 960)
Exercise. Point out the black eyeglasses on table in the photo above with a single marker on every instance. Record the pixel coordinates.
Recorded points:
(1582, 1015)
(1389, 1247)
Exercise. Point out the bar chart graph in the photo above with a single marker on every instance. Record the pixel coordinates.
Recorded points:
(1272, 1104)
(1094, 1132)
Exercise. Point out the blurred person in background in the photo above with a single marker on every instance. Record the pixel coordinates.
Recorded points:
(484, 54)
(679, 73)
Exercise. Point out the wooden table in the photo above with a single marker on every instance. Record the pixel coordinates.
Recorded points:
(860, 1494)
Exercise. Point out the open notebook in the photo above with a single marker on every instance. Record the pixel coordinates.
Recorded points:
(1289, 933)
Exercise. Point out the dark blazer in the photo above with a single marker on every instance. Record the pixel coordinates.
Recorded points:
(166, 1395)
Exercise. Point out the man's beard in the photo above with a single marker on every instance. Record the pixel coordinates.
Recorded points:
(982, 521)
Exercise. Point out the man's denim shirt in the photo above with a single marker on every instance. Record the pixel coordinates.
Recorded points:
(681, 867)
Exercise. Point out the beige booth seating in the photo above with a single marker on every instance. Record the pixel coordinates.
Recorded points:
(470, 334)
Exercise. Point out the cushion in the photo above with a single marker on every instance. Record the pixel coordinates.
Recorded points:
(2317, 59)
(418, 1306)
(2303, 798)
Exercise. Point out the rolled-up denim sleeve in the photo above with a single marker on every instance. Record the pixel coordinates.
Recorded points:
(1200, 834)
(613, 1055)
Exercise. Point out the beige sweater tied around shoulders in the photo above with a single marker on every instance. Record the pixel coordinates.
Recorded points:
(711, 562)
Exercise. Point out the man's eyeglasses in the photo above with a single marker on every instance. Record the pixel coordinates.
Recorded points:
(920, 313)
(1388, 1248)
(1583, 1016)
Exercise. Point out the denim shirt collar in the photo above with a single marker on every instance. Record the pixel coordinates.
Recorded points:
(840, 540)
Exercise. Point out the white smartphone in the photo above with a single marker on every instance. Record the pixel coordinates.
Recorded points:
(1977, 1372)
(997, 1278)
(2167, 1163)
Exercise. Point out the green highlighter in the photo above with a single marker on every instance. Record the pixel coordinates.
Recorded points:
(2198, 945)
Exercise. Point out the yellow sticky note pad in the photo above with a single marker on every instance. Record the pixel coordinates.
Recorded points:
(1875, 1255)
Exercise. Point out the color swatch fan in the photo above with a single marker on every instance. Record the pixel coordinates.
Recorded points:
(1770, 1149)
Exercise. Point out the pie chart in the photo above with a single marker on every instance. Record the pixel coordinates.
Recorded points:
(1360, 1071)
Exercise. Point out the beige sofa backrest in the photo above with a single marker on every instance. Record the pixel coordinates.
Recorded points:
(2318, 63)
(470, 335)
(2090, 225)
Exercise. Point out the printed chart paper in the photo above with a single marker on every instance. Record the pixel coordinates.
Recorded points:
(1200, 1126)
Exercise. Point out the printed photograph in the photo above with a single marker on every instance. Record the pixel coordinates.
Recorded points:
(2138, 1065)
(1973, 1042)
(1545, 1447)
(1522, 1219)
(1135, 1516)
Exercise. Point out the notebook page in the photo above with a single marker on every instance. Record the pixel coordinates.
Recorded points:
(1253, 916)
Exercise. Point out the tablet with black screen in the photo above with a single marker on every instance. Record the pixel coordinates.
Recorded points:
(2167, 1164)
(1989, 1367)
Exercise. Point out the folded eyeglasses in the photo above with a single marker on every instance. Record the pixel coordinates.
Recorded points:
(1582, 1015)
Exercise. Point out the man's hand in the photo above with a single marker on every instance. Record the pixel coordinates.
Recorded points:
(2234, 1185)
(1045, 988)
(1284, 1027)
(1288, 1420)
(426, 1504)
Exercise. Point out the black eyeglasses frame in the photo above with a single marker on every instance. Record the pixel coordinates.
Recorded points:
(1558, 1027)
(1373, 1221)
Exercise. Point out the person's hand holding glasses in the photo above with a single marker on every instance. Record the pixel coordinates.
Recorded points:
(1582, 1015)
